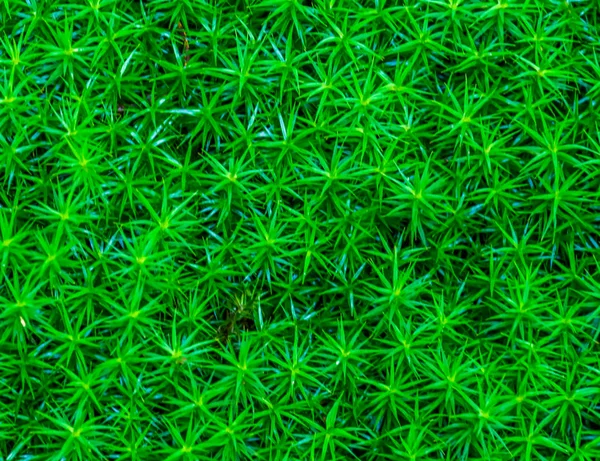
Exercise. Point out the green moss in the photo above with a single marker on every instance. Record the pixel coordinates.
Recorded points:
(282, 230)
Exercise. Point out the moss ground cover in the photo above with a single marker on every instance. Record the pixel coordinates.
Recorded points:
(299, 230)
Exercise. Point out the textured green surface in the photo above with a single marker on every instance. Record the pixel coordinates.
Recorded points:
(296, 230)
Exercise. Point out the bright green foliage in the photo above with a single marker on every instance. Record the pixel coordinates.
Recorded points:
(299, 230)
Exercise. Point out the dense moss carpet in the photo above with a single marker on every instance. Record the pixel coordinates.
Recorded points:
(299, 230)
